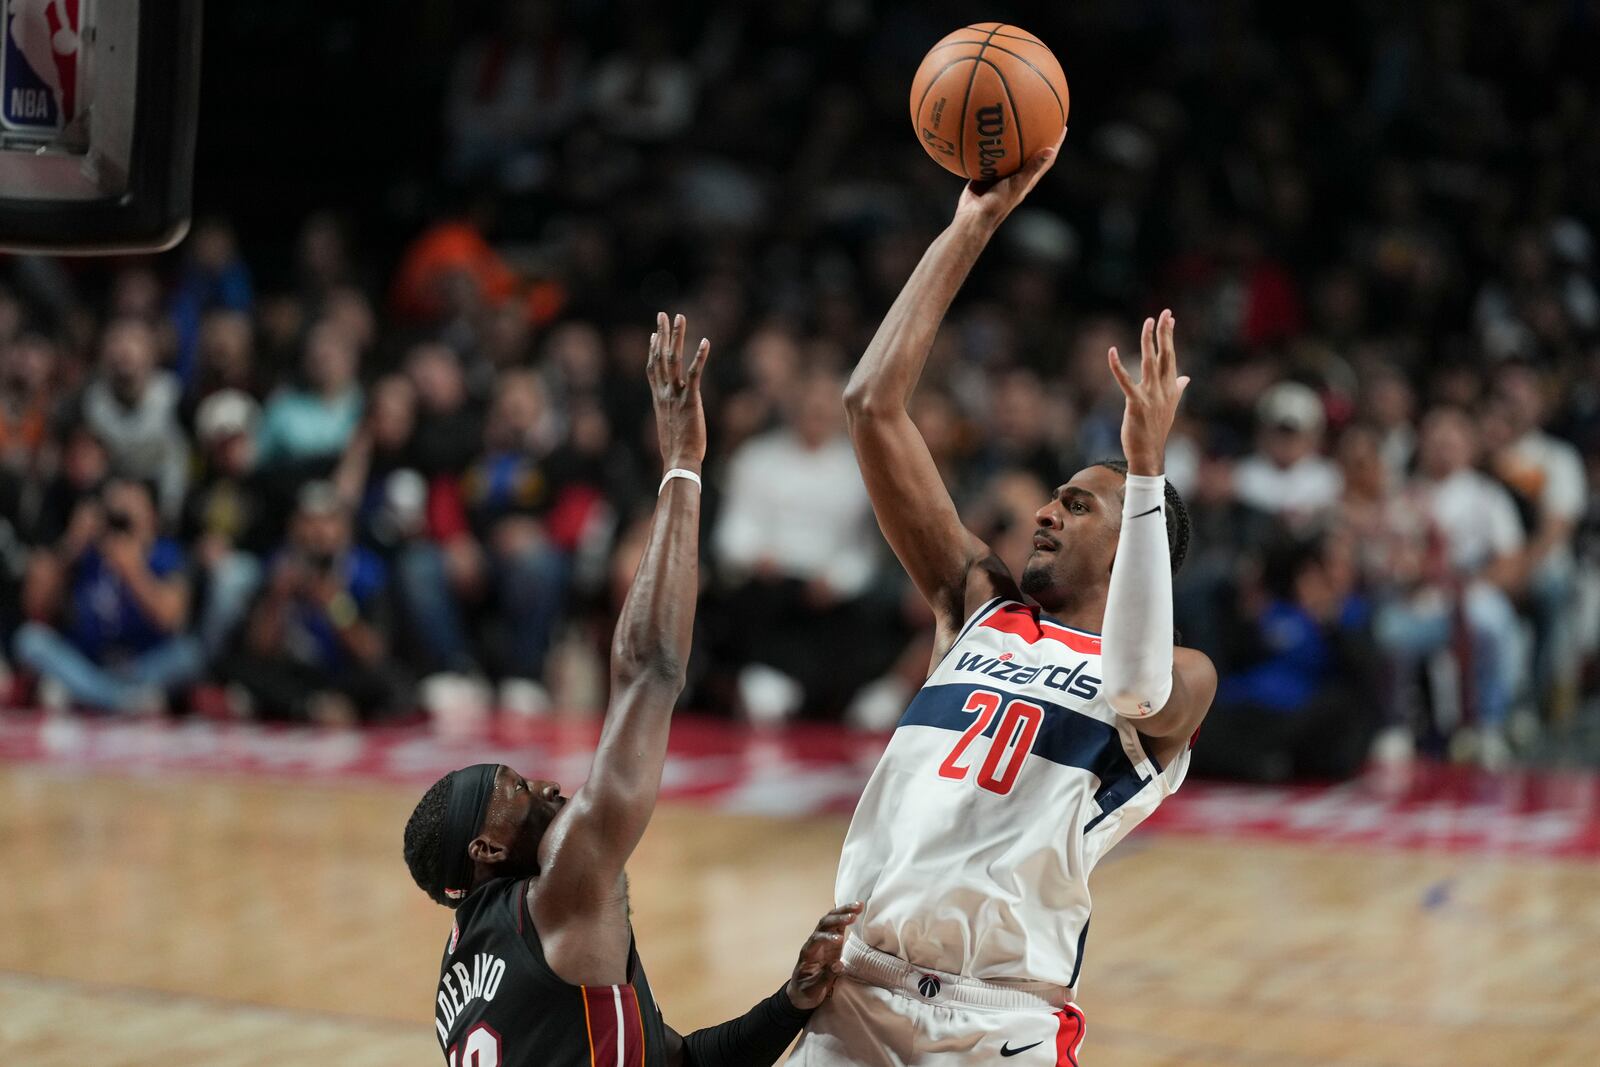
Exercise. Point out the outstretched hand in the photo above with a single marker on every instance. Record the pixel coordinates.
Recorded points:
(819, 965)
(992, 201)
(675, 392)
(1152, 401)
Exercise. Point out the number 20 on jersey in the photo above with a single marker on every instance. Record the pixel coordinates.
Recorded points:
(1011, 743)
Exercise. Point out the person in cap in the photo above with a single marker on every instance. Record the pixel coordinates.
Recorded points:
(540, 967)
(226, 517)
(1288, 476)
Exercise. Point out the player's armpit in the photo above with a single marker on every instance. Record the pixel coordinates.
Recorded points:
(1194, 684)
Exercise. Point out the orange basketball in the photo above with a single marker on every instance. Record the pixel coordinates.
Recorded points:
(986, 98)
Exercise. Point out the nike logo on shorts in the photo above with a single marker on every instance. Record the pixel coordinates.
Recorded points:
(1007, 1050)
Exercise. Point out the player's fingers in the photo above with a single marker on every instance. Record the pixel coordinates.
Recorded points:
(698, 364)
(1147, 348)
(669, 340)
(1118, 371)
(1169, 350)
(1183, 383)
(663, 333)
(655, 349)
(680, 330)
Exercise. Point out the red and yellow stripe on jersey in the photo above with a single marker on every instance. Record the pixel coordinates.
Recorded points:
(616, 1029)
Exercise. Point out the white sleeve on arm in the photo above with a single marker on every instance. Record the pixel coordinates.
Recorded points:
(1136, 642)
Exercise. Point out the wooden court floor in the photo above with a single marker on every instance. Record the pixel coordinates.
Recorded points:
(215, 921)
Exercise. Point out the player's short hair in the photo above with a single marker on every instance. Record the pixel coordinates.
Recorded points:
(423, 842)
(1176, 511)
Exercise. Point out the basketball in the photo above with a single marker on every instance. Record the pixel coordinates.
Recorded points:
(986, 98)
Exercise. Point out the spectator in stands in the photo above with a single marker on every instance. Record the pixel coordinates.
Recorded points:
(645, 92)
(448, 423)
(311, 424)
(27, 369)
(226, 355)
(227, 520)
(214, 278)
(1370, 512)
(378, 475)
(796, 546)
(315, 646)
(1287, 476)
(1468, 563)
(108, 606)
(511, 91)
(1548, 474)
(1295, 705)
(498, 554)
(1022, 432)
(1388, 400)
(132, 407)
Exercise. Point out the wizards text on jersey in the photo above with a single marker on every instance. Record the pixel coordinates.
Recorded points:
(1005, 668)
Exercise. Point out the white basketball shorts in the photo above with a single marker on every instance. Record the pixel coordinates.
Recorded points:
(884, 1012)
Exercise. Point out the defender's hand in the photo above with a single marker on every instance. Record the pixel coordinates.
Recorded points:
(819, 965)
(991, 202)
(1152, 401)
(675, 391)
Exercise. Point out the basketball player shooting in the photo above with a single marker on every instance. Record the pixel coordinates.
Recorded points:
(1056, 717)
(541, 968)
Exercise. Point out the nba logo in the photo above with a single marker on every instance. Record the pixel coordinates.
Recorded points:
(39, 65)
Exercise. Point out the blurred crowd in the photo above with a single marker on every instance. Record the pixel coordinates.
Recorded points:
(359, 484)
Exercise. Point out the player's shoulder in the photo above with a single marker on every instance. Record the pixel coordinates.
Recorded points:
(1185, 657)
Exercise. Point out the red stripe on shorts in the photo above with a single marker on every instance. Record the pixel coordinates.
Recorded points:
(1070, 1029)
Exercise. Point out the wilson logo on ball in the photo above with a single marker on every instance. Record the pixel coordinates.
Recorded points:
(991, 123)
(928, 986)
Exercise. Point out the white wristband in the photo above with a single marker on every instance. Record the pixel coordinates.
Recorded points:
(679, 472)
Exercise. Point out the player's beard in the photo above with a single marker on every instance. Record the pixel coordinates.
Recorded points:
(1038, 575)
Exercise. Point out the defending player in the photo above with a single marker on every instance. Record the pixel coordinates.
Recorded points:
(540, 969)
(1057, 714)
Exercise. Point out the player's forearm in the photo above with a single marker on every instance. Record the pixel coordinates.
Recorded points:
(888, 372)
(651, 643)
(1136, 640)
(755, 1039)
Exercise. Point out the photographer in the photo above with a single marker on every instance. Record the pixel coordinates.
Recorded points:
(107, 607)
(314, 646)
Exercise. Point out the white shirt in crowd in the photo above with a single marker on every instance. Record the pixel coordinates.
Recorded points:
(1563, 493)
(1306, 487)
(1477, 518)
(805, 510)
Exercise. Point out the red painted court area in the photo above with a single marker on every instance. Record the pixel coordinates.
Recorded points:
(812, 769)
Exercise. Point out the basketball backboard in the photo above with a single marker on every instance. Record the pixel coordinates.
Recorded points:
(98, 102)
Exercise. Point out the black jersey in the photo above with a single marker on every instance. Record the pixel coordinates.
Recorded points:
(500, 1005)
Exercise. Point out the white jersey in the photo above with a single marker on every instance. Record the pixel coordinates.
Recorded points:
(1006, 780)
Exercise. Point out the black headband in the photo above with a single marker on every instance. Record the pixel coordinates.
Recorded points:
(470, 790)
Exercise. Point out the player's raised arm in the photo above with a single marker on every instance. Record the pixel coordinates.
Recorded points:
(582, 855)
(1166, 690)
(913, 506)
